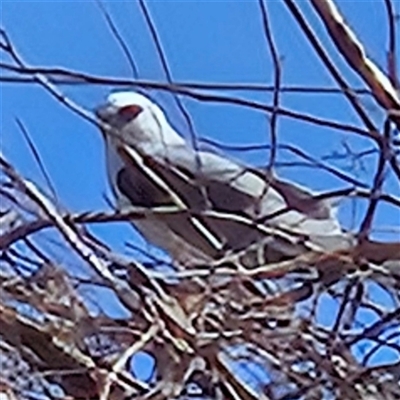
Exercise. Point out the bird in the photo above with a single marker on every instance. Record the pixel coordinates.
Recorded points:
(222, 204)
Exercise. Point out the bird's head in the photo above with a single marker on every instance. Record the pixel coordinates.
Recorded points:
(135, 119)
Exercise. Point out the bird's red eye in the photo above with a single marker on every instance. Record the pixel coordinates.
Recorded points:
(131, 111)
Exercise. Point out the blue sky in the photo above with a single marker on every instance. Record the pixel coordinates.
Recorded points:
(204, 41)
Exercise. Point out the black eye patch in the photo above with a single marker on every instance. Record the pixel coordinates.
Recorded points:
(130, 112)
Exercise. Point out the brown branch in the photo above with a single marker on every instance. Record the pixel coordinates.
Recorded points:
(353, 51)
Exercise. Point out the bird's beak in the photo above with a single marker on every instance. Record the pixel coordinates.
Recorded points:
(104, 112)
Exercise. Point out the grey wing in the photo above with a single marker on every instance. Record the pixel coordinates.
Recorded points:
(199, 194)
(236, 188)
(231, 187)
(213, 183)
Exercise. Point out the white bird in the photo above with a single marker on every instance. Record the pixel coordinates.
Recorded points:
(225, 206)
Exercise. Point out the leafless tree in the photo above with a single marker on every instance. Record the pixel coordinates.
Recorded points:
(246, 326)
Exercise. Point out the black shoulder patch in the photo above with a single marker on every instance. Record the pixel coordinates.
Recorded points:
(140, 189)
